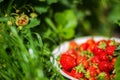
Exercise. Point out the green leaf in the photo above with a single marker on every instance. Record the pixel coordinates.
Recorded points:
(117, 51)
(67, 33)
(51, 24)
(101, 76)
(66, 18)
(117, 64)
(67, 23)
(117, 76)
(87, 26)
(3, 19)
(117, 68)
(51, 1)
(41, 9)
(118, 22)
(33, 22)
(115, 14)
(1, 1)
(118, 48)
(39, 40)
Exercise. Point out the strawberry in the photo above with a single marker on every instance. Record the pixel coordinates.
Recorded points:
(76, 74)
(113, 61)
(105, 66)
(111, 43)
(72, 53)
(83, 46)
(97, 51)
(73, 45)
(110, 50)
(90, 41)
(67, 62)
(91, 47)
(101, 42)
(85, 64)
(92, 78)
(81, 59)
(85, 79)
(103, 57)
(93, 71)
(67, 72)
(95, 59)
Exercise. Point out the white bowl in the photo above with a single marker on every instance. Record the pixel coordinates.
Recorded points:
(64, 46)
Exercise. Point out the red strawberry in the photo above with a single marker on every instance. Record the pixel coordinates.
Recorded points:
(110, 50)
(98, 71)
(73, 45)
(93, 71)
(95, 59)
(113, 60)
(91, 47)
(90, 41)
(72, 53)
(92, 78)
(80, 59)
(111, 43)
(105, 66)
(103, 57)
(85, 79)
(67, 72)
(67, 62)
(83, 46)
(76, 74)
(97, 51)
(107, 76)
(101, 41)
(85, 64)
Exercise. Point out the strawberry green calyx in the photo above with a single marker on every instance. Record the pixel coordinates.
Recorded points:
(80, 68)
(102, 45)
(87, 74)
(101, 76)
(113, 43)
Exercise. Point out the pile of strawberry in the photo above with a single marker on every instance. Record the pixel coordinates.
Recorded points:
(91, 60)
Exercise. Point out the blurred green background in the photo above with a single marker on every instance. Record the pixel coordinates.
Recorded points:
(51, 22)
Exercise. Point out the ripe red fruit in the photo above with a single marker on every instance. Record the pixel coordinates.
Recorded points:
(105, 66)
(95, 59)
(83, 46)
(73, 45)
(92, 78)
(91, 47)
(93, 71)
(101, 41)
(76, 74)
(111, 43)
(80, 59)
(67, 62)
(113, 61)
(103, 57)
(85, 64)
(107, 76)
(110, 50)
(72, 53)
(97, 51)
(67, 72)
(90, 41)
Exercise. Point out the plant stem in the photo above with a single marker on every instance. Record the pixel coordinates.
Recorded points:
(9, 6)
